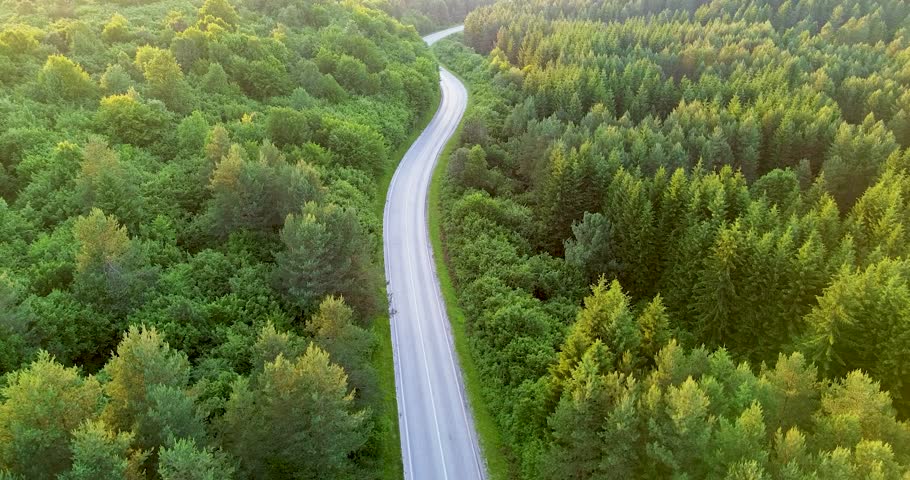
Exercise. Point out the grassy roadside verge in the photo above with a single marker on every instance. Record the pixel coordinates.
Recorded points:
(491, 443)
(383, 357)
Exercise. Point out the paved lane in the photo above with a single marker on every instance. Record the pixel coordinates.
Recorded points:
(438, 440)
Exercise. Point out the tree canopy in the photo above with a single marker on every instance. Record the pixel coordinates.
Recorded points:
(728, 177)
(189, 232)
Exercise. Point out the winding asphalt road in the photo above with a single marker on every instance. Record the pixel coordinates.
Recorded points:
(438, 439)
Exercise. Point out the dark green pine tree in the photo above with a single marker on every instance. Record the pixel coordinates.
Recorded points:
(295, 420)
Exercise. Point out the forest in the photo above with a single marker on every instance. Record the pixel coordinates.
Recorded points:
(430, 15)
(190, 258)
(679, 232)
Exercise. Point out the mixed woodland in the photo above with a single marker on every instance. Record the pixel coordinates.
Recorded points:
(190, 258)
(679, 231)
(430, 15)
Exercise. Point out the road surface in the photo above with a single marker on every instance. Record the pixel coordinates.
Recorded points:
(438, 439)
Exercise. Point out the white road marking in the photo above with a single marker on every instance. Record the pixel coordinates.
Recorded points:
(444, 316)
(402, 217)
(423, 348)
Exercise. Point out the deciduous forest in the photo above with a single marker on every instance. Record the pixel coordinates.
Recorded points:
(678, 230)
(189, 244)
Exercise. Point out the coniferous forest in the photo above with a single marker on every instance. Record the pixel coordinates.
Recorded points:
(678, 230)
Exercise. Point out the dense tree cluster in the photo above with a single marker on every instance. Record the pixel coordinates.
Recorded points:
(432, 15)
(204, 177)
(732, 176)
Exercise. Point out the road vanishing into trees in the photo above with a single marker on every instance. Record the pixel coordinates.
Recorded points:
(438, 439)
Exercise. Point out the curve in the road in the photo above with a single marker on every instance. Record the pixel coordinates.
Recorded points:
(438, 439)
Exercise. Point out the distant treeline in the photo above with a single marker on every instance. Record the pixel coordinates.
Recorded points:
(431, 15)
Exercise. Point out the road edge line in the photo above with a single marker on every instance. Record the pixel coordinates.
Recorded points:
(492, 447)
